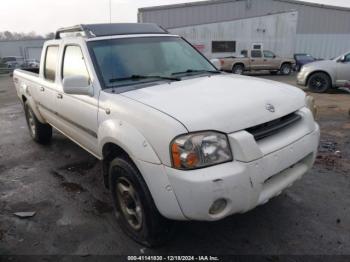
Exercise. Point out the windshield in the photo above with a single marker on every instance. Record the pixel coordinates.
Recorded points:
(128, 61)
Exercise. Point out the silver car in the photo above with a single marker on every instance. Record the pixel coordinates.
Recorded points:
(320, 76)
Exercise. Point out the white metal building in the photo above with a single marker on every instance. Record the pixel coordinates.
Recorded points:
(225, 27)
(28, 49)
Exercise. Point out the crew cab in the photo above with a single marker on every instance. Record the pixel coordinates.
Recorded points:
(255, 60)
(178, 140)
(321, 76)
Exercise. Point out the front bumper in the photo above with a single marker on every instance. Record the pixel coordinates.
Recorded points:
(261, 170)
(243, 185)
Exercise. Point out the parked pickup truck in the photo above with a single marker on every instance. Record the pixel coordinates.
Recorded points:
(321, 76)
(178, 139)
(255, 60)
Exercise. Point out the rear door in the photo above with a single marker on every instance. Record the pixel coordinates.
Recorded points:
(343, 72)
(256, 60)
(46, 90)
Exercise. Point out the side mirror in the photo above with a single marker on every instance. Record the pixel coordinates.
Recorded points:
(216, 62)
(274, 56)
(342, 59)
(77, 85)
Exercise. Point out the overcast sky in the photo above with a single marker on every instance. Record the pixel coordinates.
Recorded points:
(45, 16)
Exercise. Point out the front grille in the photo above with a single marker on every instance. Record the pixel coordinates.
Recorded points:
(273, 127)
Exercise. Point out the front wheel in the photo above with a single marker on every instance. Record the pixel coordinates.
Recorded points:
(40, 132)
(286, 69)
(135, 210)
(319, 83)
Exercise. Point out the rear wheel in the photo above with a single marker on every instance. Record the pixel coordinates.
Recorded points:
(238, 69)
(40, 133)
(135, 210)
(286, 69)
(319, 82)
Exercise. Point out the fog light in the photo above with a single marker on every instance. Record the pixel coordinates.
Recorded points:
(218, 206)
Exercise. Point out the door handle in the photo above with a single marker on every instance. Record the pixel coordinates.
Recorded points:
(252, 60)
(42, 89)
(59, 96)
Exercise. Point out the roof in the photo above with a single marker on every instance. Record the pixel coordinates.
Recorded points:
(98, 30)
(213, 2)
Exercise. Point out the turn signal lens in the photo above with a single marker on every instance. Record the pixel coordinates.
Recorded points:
(200, 150)
(310, 103)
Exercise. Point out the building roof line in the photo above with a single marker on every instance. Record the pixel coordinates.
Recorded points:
(213, 2)
(236, 19)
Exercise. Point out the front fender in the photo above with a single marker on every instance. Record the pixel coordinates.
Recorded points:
(128, 138)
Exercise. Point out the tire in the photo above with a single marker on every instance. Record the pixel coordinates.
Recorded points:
(238, 69)
(286, 69)
(273, 72)
(41, 133)
(319, 83)
(134, 207)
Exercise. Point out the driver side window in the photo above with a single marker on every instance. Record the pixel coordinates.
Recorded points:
(347, 58)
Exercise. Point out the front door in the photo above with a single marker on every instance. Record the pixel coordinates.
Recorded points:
(77, 113)
(343, 72)
(272, 62)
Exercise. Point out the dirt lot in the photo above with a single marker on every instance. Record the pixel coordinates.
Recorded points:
(62, 184)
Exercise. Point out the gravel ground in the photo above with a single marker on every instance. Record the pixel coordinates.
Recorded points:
(63, 185)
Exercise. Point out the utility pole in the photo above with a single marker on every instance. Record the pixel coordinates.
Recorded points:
(110, 11)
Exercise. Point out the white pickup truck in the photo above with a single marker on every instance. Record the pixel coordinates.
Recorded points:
(179, 140)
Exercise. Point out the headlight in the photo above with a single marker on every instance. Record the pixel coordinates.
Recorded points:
(198, 150)
(310, 103)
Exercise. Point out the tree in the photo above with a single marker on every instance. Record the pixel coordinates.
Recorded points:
(50, 35)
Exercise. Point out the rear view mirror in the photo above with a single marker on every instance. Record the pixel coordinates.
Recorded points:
(216, 62)
(77, 85)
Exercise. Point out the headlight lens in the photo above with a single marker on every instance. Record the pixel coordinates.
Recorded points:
(198, 150)
(310, 103)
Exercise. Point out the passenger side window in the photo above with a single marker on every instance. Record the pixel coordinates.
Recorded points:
(269, 54)
(73, 62)
(50, 63)
(256, 54)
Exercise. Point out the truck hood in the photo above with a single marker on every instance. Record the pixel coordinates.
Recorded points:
(323, 64)
(225, 103)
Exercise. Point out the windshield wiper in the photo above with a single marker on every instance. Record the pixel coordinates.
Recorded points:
(197, 71)
(140, 77)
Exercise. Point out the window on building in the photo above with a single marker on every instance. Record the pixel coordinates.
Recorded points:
(257, 47)
(256, 54)
(50, 63)
(223, 46)
(73, 62)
